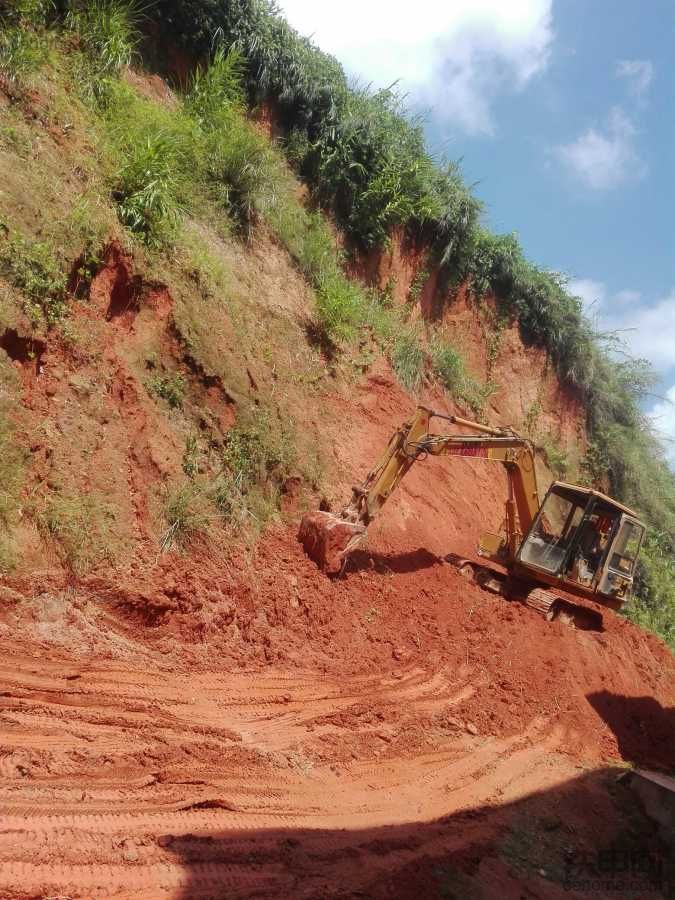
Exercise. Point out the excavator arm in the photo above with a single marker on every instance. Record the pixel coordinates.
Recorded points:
(329, 539)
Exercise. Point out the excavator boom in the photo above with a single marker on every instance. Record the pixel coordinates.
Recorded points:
(328, 539)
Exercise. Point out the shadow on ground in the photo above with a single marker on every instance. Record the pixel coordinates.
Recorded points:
(392, 563)
(645, 730)
(585, 838)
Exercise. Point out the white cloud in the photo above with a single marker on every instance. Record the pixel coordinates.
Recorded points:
(647, 330)
(591, 293)
(650, 331)
(456, 57)
(639, 74)
(604, 158)
(663, 417)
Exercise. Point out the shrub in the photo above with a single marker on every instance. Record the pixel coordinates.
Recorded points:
(257, 458)
(32, 267)
(83, 527)
(556, 458)
(259, 450)
(23, 42)
(169, 387)
(11, 477)
(653, 603)
(147, 188)
(358, 150)
(107, 31)
(339, 305)
(185, 515)
(243, 170)
(448, 364)
(216, 87)
(407, 359)
(22, 51)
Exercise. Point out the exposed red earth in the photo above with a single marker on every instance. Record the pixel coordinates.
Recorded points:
(237, 724)
(233, 723)
(248, 727)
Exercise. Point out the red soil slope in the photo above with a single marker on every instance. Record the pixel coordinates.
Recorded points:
(240, 725)
(232, 723)
(246, 727)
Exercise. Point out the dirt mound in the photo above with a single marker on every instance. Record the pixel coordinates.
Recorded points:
(395, 733)
(391, 611)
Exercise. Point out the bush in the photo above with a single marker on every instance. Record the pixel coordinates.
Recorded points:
(23, 42)
(32, 267)
(257, 459)
(185, 515)
(243, 169)
(407, 359)
(653, 603)
(83, 527)
(12, 463)
(448, 364)
(156, 154)
(22, 51)
(216, 87)
(357, 150)
(107, 31)
(169, 387)
(556, 458)
(147, 190)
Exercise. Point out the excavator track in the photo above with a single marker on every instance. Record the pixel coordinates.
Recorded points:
(547, 603)
(555, 608)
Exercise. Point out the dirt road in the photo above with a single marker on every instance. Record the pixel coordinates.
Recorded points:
(118, 782)
(248, 728)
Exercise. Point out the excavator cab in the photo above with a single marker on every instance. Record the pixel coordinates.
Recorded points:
(583, 541)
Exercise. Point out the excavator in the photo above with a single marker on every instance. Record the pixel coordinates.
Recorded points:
(578, 541)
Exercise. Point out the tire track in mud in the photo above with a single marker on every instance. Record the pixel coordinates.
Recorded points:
(105, 771)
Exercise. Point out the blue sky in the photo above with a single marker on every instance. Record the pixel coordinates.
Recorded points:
(562, 112)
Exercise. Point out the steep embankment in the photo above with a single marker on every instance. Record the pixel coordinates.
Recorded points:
(189, 708)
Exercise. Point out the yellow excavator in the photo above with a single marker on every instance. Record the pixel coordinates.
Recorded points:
(578, 540)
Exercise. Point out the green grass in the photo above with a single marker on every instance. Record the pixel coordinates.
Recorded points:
(147, 191)
(168, 387)
(259, 454)
(107, 31)
(449, 367)
(24, 40)
(83, 527)
(185, 514)
(12, 467)
(407, 359)
(243, 171)
(653, 603)
(22, 51)
(216, 87)
(32, 267)
(556, 458)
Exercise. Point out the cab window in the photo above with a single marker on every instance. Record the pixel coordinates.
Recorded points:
(591, 546)
(552, 532)
(626, 547)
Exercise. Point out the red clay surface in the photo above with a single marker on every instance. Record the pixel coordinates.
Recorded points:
(250, 728)
(242, 726)
(223, 725)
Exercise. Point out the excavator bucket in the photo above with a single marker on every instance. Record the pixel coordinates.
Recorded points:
(328, 540)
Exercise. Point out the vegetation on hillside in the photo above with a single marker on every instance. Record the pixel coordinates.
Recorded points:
(366, 163)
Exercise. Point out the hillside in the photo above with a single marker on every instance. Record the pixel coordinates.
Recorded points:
(203, 335)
